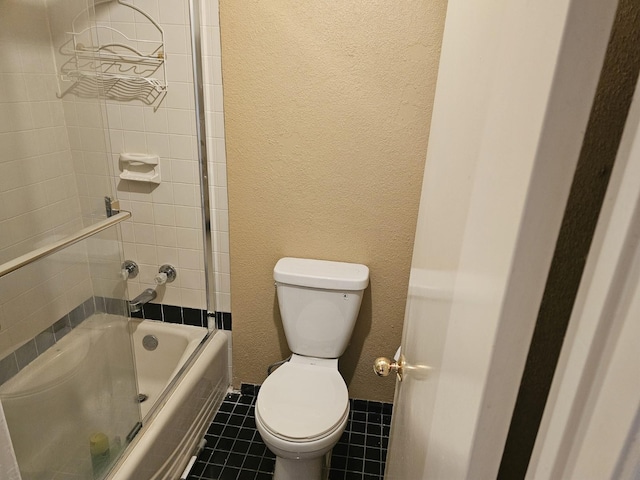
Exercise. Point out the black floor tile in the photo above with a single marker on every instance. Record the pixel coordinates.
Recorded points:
(251, 463)
(235, 450)
(356, 451)
(373, 454)
(241, 446)
(224, 444)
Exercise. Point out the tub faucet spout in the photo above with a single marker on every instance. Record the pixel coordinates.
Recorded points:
(146, 296)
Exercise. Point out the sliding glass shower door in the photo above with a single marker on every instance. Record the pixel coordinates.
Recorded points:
(67, 378)
(69, 393)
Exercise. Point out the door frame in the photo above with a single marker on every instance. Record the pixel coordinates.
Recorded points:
(595, 393)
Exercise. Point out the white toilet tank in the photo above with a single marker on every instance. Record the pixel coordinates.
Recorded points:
(319, 303)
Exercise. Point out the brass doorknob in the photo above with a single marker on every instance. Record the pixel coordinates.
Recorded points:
(383, 367)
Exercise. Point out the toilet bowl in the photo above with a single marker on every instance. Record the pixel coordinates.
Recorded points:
(303, 407)
(301, 412)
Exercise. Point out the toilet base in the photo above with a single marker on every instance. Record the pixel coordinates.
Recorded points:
(309, 469)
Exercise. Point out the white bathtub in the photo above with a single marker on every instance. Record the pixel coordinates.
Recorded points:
(155, 368)
(47, 404)
(170, 434)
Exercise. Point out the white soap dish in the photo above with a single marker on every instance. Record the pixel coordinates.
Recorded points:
(140, 167)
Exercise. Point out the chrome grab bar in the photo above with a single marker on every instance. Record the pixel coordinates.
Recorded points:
(37, 254)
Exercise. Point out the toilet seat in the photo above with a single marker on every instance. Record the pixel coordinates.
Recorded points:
(302, 402)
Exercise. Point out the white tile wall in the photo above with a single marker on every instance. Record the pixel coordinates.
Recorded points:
(35, 296)
(167, 223)
(53, 172)
(85, 118)
(38, 195)
(39, 198)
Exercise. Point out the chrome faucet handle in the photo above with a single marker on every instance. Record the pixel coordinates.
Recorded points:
(166, 274)
(129, 270)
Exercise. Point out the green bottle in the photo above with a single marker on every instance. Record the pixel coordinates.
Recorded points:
(100, 457)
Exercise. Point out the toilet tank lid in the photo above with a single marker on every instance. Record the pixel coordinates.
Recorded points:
(323, 274)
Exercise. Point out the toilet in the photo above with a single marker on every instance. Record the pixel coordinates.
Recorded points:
(303, 407)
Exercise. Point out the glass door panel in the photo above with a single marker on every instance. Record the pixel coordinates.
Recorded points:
(69, 393)
(67, 375)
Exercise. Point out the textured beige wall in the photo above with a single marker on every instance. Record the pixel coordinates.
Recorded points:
(327, 109)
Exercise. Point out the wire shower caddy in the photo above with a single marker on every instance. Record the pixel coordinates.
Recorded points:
(105, 63)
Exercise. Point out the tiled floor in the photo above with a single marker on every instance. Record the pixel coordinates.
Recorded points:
(235, 450)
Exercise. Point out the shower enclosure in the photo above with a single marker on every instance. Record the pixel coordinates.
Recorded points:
(83, 84)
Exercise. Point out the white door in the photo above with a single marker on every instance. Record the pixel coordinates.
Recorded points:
(516, 83)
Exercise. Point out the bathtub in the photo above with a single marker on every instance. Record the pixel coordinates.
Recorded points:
(172, 430)
(46, 405)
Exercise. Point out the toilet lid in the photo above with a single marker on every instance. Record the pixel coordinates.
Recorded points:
(301, 402)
